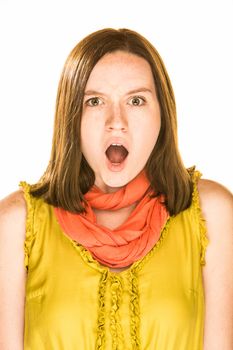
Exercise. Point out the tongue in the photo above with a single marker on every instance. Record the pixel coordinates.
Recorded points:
(116, 154)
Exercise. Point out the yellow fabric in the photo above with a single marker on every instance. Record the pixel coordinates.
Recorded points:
(72, 302)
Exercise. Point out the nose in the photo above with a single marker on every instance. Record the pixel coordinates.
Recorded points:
(116, 119)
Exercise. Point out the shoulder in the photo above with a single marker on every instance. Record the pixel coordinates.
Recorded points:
(209, 188)
(216, 203)
(13, 203)
(13, 213)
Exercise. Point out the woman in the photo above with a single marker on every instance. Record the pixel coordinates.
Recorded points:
(116, 230)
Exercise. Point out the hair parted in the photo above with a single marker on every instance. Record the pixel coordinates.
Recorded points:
(68, 175)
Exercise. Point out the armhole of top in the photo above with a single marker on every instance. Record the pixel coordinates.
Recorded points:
(200, 219)
(29, 235)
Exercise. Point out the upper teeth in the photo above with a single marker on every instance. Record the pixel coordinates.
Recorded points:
(115, 144)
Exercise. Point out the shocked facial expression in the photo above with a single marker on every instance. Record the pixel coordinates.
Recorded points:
(120, 108)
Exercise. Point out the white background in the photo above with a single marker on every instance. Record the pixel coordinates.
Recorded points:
(194, 39)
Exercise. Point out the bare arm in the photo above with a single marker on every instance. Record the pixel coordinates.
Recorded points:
(12, 271)
(217, 207)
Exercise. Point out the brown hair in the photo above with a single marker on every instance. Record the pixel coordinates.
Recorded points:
(68, 175)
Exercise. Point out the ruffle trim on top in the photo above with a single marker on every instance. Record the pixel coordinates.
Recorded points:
(115, 324)
(86, 256)
(134, 312)
(29, 237)
(100, 340)
(204, 241)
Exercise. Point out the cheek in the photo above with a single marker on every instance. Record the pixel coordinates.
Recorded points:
(91, 122)
(154, 128)
(146, 138)
(86, 134)
(88, 129)
(90, 138)
(147, 131)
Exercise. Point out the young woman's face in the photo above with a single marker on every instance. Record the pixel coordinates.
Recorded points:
(113, 114)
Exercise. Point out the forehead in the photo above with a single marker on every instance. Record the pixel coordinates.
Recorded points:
(121, 67)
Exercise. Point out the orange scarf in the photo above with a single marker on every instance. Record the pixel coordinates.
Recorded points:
(128, 242)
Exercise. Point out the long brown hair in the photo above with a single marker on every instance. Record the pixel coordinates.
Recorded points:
(68, 175)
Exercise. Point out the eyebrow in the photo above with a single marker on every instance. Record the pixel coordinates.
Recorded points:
(142, 89)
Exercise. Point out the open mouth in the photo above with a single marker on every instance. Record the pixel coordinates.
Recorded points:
(116, 153)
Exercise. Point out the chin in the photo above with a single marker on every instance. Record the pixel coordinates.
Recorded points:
(119, 179)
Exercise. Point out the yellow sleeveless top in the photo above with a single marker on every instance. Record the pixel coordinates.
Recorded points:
(72, 302)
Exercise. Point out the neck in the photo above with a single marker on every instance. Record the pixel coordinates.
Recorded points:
(113, 218)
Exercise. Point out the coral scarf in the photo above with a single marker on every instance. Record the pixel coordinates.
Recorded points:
(128, 242)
